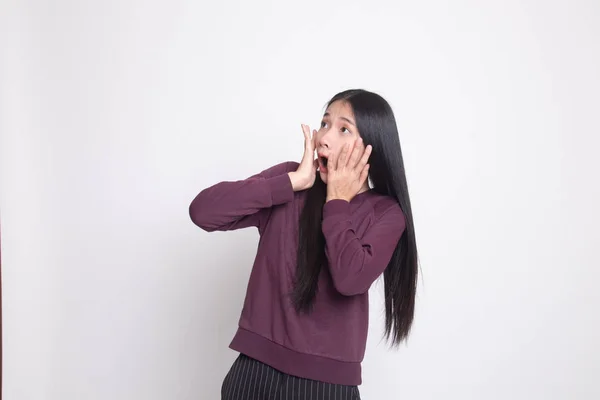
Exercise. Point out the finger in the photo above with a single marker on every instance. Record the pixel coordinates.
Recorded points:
(343, 157)
(308, 149)
(365, 157)
(356, 153)
(336, 158)
(364, 174)
(307, 137)
(311, 140)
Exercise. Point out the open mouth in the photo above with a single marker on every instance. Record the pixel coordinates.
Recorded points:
(323, 161)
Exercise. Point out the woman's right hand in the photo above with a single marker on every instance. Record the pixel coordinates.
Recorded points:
(304, 177)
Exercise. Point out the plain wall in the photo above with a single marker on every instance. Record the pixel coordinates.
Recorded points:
(114, 114)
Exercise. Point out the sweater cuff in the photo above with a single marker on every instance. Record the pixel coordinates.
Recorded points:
(337, 207)
(281, 189)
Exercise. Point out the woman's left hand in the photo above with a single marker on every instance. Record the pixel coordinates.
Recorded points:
(348, 173)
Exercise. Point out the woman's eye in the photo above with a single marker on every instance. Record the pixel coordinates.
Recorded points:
(323, 124)
(346, 130)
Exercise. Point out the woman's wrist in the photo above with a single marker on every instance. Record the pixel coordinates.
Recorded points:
(296, 185)
(336, 197)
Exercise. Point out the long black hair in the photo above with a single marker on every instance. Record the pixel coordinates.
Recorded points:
(377, 126)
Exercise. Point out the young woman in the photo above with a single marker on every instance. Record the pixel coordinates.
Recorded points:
(325, 236)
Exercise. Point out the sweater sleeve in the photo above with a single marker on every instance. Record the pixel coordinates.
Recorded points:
(355, 263)
(231, 205)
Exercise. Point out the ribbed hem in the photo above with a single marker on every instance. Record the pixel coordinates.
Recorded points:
(336, 207)
(294, 363)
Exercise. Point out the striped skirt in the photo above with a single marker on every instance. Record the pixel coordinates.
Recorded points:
(249, 379)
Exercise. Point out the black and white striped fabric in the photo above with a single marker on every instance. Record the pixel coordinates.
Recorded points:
(249, 379)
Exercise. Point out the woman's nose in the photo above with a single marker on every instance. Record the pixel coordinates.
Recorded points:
(324, 141)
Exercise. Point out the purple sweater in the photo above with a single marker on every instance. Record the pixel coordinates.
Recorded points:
(328, 344)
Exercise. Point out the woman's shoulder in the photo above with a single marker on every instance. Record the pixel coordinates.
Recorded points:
(385, 206)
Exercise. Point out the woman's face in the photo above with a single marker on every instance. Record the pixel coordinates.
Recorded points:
(338, 127)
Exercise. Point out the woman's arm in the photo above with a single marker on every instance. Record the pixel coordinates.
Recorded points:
(355, 263)
(231, 205)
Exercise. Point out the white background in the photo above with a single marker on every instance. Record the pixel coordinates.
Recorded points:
(114, 114)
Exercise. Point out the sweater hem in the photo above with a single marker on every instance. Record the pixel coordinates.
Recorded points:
(291, 362)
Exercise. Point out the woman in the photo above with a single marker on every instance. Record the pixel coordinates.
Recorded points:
(325, 237)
